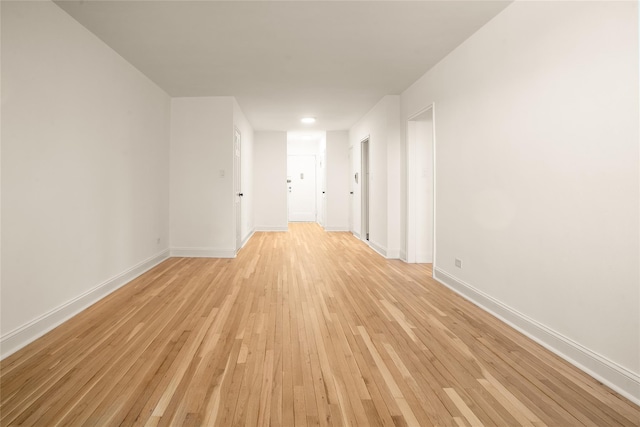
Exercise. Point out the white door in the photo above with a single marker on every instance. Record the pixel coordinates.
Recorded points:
(356, 208)
(301, 174)
(237, 186)
(351, 195)
(322, 212)
(365, 189)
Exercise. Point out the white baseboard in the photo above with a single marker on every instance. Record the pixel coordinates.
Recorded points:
(202, 253)
(618, 378)
(424, 257)
(376, 247)
(393, 254)
(331, 228)
(387, 253)
(403, 255)
(270, 228)
(356, 234)
(247, 238)
(29, 332)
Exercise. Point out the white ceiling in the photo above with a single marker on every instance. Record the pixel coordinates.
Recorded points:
(285, 59)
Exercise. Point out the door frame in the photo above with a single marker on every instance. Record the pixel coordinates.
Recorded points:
(412, 196)
(237, 185)
(351, 189)
(365, 187)
(315, 188)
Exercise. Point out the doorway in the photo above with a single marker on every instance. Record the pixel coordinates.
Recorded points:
(421, 187)
(301, 187)
(365, 189)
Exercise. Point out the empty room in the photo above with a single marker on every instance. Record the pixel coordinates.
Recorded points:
(335, 213)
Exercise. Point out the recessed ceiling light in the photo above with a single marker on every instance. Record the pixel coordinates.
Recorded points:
(308, 120)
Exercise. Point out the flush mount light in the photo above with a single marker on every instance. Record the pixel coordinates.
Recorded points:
(308, 120)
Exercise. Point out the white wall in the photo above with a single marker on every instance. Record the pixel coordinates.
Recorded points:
(337, 181)
(246, 131)
(85, 170)
(202, 197)
(270, 181)
(537, 169)
(381, 126)
(394, 178)
(297, 146)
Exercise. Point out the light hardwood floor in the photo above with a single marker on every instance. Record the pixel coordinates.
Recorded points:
(302, 328)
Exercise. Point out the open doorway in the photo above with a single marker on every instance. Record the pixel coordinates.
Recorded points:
(421, 187)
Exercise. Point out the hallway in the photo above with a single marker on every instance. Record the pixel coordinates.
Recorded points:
(302, 328)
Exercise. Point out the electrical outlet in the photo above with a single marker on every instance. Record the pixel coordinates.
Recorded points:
(458, 263)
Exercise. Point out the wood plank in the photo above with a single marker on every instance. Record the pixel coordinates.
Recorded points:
(302, 328)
